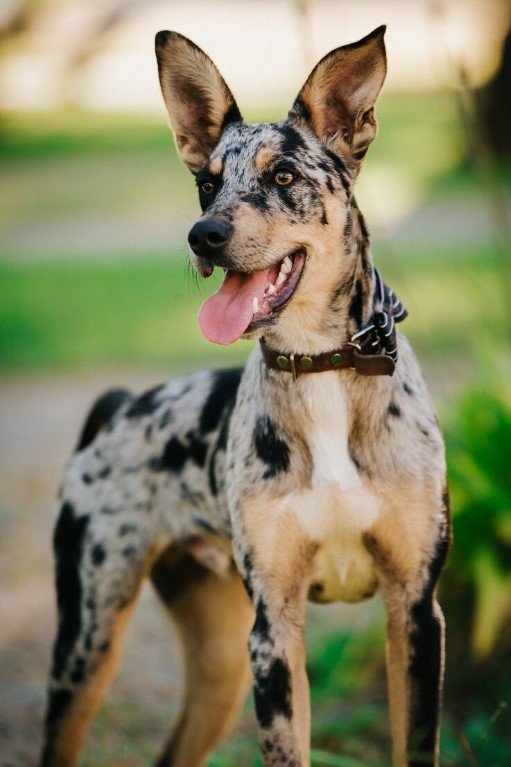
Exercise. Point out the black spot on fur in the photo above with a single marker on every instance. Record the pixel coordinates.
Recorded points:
(340, 168)
(58, 702)
(407, 389)
(197, 449)
(126, 529)
(292, 139)
(87, 479)
(104, 473)
(98, 554)
(261, 625)
(329, 183)
(272, 693)
(166, 418)
(362, 224)
(286, 195)
(223, 391)
(78, 673)
(129, 552)
(357, 304)
(68, 545)
(221, 445)
(258, 200)
(101, 413)
(233, 115)
(205, 525)
(271, 450)
(247, 573)
(394, 410)
(173, 457)
(146, 404)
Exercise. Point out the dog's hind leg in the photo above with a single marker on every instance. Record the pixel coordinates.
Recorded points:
(98, 578)
(213, 616)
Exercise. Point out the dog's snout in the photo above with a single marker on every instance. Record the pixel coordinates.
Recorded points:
(208, 238)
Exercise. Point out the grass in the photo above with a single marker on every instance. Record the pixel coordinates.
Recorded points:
(143, 311)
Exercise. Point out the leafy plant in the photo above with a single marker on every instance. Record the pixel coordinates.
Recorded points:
(479, 457)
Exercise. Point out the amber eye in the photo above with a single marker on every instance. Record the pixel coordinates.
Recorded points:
(208, 187)
(283, 177)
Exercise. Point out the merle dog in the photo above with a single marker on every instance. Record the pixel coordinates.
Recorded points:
(311, 474)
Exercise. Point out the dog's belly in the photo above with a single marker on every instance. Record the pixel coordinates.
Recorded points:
(336, 519)
(343, 573)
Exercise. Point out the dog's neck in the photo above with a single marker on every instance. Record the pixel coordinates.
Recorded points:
(346, 309)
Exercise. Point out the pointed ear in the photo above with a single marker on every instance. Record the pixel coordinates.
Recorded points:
(199, 103)
(338, 98)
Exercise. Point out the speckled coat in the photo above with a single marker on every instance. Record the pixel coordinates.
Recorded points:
(244, 494)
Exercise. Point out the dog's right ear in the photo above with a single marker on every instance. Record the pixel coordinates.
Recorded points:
(199, 103)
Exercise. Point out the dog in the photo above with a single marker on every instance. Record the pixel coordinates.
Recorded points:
(315, 473)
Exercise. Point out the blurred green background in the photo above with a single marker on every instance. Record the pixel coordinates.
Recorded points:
(95, 289)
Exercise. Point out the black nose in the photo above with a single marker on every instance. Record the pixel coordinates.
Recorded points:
(208, 238)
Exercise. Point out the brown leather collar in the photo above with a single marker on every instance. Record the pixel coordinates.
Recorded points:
(372, 350)
(339, 359)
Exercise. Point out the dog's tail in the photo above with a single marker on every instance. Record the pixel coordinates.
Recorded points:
(101, 414)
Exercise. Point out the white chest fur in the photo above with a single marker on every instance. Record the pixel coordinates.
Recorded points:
(337, 509)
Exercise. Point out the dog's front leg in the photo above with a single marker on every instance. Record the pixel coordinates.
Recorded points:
(415, 653)
(415, 662)
(276, 565)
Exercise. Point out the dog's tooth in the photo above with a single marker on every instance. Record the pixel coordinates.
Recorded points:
(255, 305)
(281, 278)
(271, 290)
(286, 265)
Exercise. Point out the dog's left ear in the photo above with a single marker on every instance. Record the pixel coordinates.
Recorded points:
(199, 103)
(338, 98)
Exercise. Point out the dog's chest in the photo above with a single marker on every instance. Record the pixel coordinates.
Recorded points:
(337, 509)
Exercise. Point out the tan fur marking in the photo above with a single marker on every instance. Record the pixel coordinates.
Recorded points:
(264, 159)
(215, 166)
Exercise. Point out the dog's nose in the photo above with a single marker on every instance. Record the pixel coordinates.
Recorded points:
(208, 238)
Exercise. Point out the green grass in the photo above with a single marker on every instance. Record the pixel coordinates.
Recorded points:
(144, 311)
(63, 315)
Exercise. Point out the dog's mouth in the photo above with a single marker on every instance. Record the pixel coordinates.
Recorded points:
(246, 301)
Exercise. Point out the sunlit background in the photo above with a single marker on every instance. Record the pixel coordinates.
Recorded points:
(95, 291)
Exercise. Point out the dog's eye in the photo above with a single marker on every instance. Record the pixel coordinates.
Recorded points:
(207, 187)
(283, 177)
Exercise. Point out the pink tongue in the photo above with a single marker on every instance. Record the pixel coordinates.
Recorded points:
(225, 315)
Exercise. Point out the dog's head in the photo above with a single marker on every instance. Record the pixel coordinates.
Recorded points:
(276, 196)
